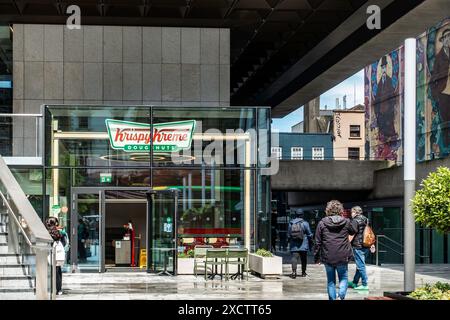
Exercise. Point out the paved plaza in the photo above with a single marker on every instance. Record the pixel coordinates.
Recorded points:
(143, 286)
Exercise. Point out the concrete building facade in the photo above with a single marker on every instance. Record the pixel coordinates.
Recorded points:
(115, 65)
(304, 146)
(349, 134)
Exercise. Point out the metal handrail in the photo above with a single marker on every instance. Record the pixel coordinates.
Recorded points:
(397, 252)
(5, 202)
(40, 242)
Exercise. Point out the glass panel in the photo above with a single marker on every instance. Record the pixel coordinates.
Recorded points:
(87, 218)
(163, 227)
(437, 246)
(80, 136)
(264, 136)
(219, 136)
(6, 97)
(263, 225)
(111, 177)
(30, 180)
(211, 204)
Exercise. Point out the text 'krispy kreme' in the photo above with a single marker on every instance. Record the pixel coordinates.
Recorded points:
(135, 136)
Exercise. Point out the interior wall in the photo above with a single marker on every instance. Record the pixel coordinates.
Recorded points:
(118, 214)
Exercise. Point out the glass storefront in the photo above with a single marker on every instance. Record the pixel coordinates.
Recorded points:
(212, 156)
(6, 96)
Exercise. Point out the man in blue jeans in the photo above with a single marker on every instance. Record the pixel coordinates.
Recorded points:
(342, 272)
(360, 253)
(333, 247)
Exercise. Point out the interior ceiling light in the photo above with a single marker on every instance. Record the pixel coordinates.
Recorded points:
(145, 157)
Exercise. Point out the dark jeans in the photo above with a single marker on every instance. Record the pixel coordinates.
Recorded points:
(342, 271)
(294, 261)
(360, 260)
(58, 279)
(81, 251)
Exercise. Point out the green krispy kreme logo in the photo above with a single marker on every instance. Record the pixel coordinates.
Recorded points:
(135, 136)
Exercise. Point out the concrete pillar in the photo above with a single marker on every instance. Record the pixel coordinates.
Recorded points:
(312, 111)
(409, 166)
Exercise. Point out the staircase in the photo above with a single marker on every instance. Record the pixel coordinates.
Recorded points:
(16, 279)
(26, 255)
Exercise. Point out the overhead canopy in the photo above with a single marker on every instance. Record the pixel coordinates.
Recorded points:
(283, 52)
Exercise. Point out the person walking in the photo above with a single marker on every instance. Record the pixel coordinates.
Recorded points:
(333, 247)
(299, 234)
(360, 253)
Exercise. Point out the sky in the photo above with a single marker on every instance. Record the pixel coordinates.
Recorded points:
(352, 87)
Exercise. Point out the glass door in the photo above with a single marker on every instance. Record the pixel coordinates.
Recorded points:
(162, 227)
(86, 249)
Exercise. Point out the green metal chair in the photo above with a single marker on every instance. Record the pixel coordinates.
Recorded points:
(237, 257)
(199, 258)
(215, 258)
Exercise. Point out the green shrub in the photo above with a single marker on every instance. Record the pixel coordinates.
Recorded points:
(438, 291)
(188, 254)
(431, 204)
(263, 253)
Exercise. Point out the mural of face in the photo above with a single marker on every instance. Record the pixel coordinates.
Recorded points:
(445, 39)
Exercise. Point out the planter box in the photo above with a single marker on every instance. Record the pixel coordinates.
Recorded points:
(185, 266)
(266, 266)
(400, 295)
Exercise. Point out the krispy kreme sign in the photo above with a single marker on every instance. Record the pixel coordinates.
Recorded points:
(135, 137)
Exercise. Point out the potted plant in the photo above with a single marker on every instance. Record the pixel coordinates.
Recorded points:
(437, 291)
(186, 262)
(264, 263)
(432, 202)
(430, 206)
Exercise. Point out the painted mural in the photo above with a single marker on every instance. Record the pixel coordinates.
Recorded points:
(383, 100)
(433, 92)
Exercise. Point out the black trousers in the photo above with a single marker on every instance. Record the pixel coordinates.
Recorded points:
(294, 261)
(58, 279)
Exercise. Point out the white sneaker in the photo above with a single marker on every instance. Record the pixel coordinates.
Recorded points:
(59, 293)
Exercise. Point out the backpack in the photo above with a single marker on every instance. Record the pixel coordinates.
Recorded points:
(369, 237)
(297, 231)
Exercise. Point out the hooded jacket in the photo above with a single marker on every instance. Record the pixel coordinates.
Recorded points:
(332, 244)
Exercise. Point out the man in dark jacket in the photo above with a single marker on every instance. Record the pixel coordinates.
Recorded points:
(333, 247)
(359, 251)
(299, 246)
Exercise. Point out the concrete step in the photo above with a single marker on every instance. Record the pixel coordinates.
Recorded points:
(13, 259)
(16, 282)
(17, 294)
(3, 248)
(15, 270)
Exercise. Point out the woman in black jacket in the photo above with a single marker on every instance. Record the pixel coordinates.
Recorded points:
(333, 248)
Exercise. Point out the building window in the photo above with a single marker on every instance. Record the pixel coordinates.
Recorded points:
(353, 153)
(355, 131)
(296, 153)
(317, 153)
(276, 152)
